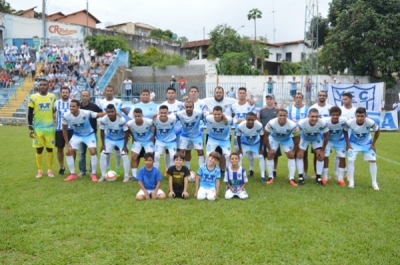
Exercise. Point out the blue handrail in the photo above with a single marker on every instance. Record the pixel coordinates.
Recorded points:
(121, 59)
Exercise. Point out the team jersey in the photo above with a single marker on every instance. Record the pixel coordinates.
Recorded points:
(116, 102)
(235, 178)
(284, 132)
(250, 136)
(348, 113)
(114, 130)
(142, 133)
(208, 177)
(173, 109)
(218, 130)
(190, 124)
(81, 123)
(225, 104)
(296, 114)
(200, 105)
(148, 110)
(322, 111)
(360, 134)
(240, 111)
(336, 130)
(312, 133)
(43, 111)
(165, 130)
(60, 108)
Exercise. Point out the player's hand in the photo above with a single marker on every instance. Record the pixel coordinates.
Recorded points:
(320, 155)
(102, 148)
(261, 152)
(32, 133)
(185, 195)
(171, 194)
(239, 189)
(195, 195)
(147, 196)
(251, 101)
(372, 147)
(154, 116)
(240, 152)
(348, 146)
(290, 154)
(125, 150)
(154, 194)
(232, 189)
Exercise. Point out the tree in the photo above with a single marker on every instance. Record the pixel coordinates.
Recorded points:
(104, 43)
(235, 63)
(254, 14)
(155, 58)
(223, 39)
(322, 25)
(162, 34)
(6, 8)
(37, 14)
(364, 38)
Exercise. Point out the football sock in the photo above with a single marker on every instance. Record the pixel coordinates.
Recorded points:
(340, 173)
(71, 164)
(292, 168)
(50, 161)
(117, 159)
(187, 164)
(373, 169)
(262, 165)
(300, 167)
(127, 165)
(336, 165)
(171, 159)
(39, 161)
(240, 159)
(228, 164)
(325, 173)
(251, 161)
(103, 164)
(93, 162)
(201, 160)
(134, 172)
(157, 160)
(270, 168)
(320, 167)
(108, 161)
(350, 170)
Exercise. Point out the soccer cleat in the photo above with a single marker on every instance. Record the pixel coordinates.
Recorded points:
(319, 181)
(70, 177)
(251, 173)
(375, 186)
(133, 178)
(300, 181)
(39, 174)
(293, 182)
(270, 181)
(61, 171)
(324, 181)
(118, 171)
(126, 179)
(341, 183)
(50, 174)
(81, 174)
(263, 181)
(351, 184)
(94, 178)
(101, 179)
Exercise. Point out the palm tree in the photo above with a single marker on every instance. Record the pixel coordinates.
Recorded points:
(254, 14)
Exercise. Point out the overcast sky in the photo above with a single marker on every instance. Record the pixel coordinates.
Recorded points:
(188, 18)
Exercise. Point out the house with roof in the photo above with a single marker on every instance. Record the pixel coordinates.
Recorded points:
(30, 13)
(137, 28)
(81, 17)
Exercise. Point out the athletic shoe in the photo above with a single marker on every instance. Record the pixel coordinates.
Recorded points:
(300, 181)
(314, 176)
(39, 174)
(375, 186)
(133, 178)
(101, 179)
(61, 171)
(341, 183)
(94, 178)
(263, 181)
(293, 182)
(50, 174)
(351, 184)
(270, 181)
(324, 181)
(81, 174)
(126, 179)
(251, 173)
(118, 171)
(306, 176)
(318, 181)
(70, 177)
(274, 174)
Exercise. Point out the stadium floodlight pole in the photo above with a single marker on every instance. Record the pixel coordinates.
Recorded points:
(87, 17)
(44, 21)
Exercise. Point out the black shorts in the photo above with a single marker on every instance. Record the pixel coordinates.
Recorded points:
(277, 153)
(178, 195)
(60, 143)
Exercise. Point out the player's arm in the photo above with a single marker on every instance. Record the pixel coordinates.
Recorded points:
(266, 140)
(65, 136)
(225, 119)
(30, 123)
(325, 142)
(196, 185)
(217, 182)
(98, 114)
(156, 190)
(376, 136)
(170, 182)
(186, 184)
(244, 183)
(125, 111)
(238, 136)
(126, 137)
(141, 186)
(102, 139)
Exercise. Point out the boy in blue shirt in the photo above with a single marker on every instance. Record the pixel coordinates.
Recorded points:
(235, 179)
(207, 178)
(149, 180)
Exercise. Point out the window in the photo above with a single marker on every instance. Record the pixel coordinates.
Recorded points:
(288, 56)
(278, 57)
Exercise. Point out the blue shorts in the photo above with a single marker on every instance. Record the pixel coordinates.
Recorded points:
(186, 143)
(368, 154)
(213, 144)
(255, 149)
(76, 141)
(111, 144)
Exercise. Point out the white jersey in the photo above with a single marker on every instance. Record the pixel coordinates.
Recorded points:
(142, 133)
(61, 107)
(296, 114)
(250, 136)
(348, 113)
(336, 130)
(190, 124)
(173, 109)
(281, 133)
(241, 111)
(114, 130)
(322, 111)
(81, 123)
(218, 130)
(116, 102)
(165, 130)
(312, 133)
(200, 105)
(225, 104)
(360, 134)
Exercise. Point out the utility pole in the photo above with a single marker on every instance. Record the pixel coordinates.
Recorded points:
(87, 17)
(44, 21)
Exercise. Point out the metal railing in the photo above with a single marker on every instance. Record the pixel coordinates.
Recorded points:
(121, 59)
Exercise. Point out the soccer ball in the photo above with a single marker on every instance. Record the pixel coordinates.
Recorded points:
(192, 176)
(111, 176)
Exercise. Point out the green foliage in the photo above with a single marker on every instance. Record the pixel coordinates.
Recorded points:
(322, 25)
(154, 57)
(224, 39)
(290, 68)
(162, 34)
(6, 8)
(104, 43)
(236, 63)
(364, 38)
(254, 14)
(37, 14)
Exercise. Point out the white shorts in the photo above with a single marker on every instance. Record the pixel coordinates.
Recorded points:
(212, 145)
(339, 146)
(196, 143)
(137, 147)
(160, 146)
(141, 192)
(287, 144)
(111, 144)
(251, 149)
(208, 194)
(314, 144)
(241, 194)
(368, 154)
(89, 140)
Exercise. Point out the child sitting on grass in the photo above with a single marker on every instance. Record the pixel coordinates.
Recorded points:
(207, 178)
(235, 179)
(149, 180)
(178, 178)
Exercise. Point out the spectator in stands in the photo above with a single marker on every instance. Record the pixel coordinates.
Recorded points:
(92, 54)
(3, 80)
(52, 85)
(9, 66)
(152, 95)
(81, 54)
(92, 86)
(324, 85)
(135, 96)
(93, 65)
(17, 70)
(108, 59)
(128, 88)
(102, 69)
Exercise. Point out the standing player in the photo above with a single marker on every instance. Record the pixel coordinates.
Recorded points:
(310, 133)
(322, 106)
(248, 135)
(348, 110)
(361, 141)
(165, 135)
(113, 132)
(41, 126)
(219, 129)
(79, 120)
(191, 132)
(143, 137)
(337, 134)
(148, 107)
(60, 107)
(278, 132)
